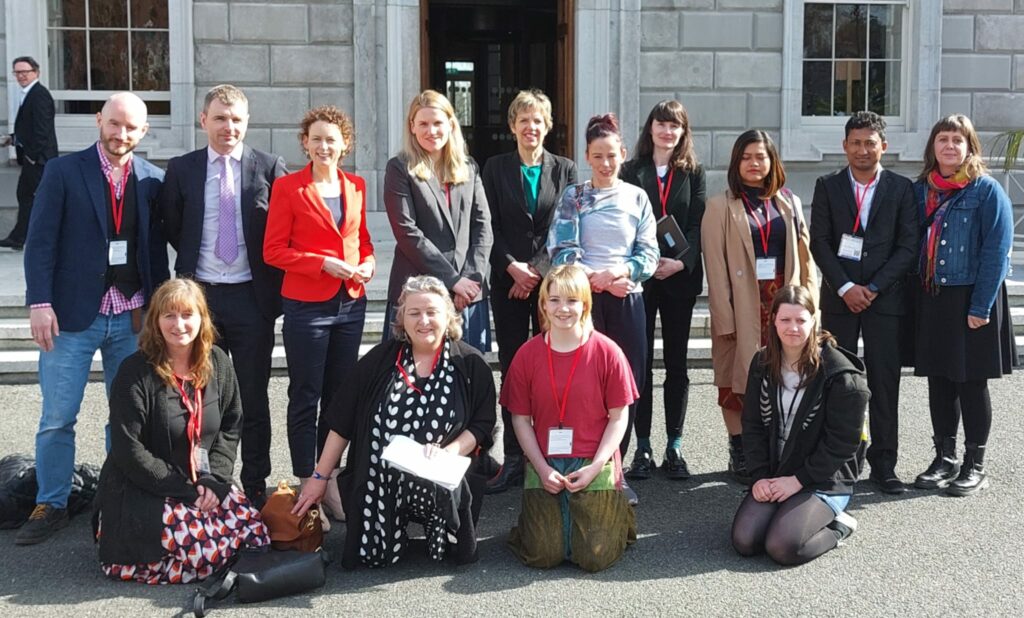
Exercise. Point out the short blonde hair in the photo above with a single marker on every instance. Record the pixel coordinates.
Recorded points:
(527, 101)
(453, 166)
(425, 284)
(571, 280)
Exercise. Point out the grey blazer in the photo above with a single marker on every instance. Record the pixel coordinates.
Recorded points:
(432, 239)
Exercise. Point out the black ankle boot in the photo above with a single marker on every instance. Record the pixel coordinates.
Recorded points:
(738, 461)
(972, 477)
(509, 475)
(944, 467)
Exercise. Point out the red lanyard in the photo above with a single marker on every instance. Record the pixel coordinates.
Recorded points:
(117, 207)
(405, 375)
(764, 230)
(858, 197)
(663, 190)
(194, 425)
(554, 388)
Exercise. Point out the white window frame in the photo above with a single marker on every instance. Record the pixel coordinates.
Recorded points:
(811, 138)
(168, 136)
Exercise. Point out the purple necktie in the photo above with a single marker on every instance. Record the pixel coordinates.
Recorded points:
(227, 234)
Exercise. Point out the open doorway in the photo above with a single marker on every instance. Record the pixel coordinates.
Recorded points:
(480, 54)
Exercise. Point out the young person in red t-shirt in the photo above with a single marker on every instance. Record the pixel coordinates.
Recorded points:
(568, 391)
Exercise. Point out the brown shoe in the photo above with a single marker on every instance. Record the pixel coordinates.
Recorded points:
(44, 521)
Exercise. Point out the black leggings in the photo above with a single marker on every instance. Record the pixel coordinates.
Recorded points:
(791, 532)
(949, 400)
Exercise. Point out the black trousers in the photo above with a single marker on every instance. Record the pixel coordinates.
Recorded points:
(515, 321)
(624, 321)
(28, 182)
(676, 314)
(881, 335)
(248, 336)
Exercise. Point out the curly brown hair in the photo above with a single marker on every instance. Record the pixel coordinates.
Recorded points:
(331, 115)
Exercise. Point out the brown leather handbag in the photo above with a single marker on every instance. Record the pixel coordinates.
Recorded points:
(289, 531)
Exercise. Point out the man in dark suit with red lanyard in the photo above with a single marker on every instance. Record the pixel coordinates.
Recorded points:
(864, 237)
(214, 204)
(34, 139)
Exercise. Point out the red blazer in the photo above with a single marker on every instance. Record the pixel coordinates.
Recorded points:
(301, 233)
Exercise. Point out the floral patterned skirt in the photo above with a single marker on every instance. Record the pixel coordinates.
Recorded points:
(197, 544)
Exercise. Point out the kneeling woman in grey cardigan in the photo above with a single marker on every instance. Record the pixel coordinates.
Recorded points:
(167, 511)
(802, 435)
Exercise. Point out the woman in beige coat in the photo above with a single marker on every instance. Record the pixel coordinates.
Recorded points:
(754, 241)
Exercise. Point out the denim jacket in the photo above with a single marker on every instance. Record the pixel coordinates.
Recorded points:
(977, 235)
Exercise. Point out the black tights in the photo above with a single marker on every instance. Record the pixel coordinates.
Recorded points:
(949, 400)
(791, 532)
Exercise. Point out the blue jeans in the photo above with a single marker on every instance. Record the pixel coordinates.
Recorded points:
(63, 374)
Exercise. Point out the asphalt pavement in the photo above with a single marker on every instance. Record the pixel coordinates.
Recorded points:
(922, 554)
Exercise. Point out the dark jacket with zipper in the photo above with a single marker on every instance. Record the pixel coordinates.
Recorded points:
(149, 455)
(822, 449)
(351, 416)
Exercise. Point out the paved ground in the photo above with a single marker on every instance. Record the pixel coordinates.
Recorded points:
(920, 555)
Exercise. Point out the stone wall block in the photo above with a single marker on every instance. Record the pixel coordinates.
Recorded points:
(702, 148)
(717, 30)
(210, 21)
(998, 112)
(311, 64)
(723, 141)
(748, 70)
(1018, 72)
(277, 106)
(330, 23)
(342, 98)
(268, 22)
(764, 110)
(974, 6)
(659, 29)
(958, 32)
(237, 64)
(768, 30)
(975, 72)
(760, 5)
(955, 103)
(678, 4)
(676, 69)
(285, 142)
(710, 110)
(999, 32)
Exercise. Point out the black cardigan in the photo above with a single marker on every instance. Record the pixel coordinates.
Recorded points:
(823, 443)
(351, 416)
(686, 205)
(148, 459)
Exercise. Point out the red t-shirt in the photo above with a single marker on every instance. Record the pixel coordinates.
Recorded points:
(602, 381)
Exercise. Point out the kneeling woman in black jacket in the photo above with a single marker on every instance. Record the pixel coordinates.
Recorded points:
(802, 435)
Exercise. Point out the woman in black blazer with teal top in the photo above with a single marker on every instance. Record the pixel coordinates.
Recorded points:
(665, 166)
(523, 187)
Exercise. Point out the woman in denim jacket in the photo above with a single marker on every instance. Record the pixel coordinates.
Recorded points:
(964, 335)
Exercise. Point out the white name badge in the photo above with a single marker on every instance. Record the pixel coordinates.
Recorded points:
(117, 253)
(559, 441)
(850, 247)
(765, 268)
(204, 460)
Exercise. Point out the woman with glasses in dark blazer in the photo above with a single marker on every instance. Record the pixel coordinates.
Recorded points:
(522, 187)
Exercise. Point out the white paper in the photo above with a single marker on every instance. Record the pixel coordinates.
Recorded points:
(446, 469)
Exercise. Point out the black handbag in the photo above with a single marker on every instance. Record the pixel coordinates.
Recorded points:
(260, 574)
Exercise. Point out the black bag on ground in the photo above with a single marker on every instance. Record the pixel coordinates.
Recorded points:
(18, 489)
(261, 574)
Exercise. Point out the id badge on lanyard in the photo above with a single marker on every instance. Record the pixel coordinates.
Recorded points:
(560, 438)
(559, 441)
(851, 247)
(117, 253)
(765, 268)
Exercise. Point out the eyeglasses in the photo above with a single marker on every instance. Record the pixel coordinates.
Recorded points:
(25, 72)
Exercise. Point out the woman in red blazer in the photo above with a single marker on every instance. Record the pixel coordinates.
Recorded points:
(316, 233)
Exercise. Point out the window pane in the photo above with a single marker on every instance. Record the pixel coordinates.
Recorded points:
(818, 31)
(66, 13)
(849, 88)
(109, 55)
(817, 89)
(851, 30)
(149, 61)
(108, 13)
(886, 32)
(884, 88)
(149, 13)
(67, 60)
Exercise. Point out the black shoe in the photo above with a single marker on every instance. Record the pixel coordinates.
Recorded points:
(943, 469)
(9, 243)
(888, 482)
(510, 474)
(630, 495)
(642, 466)
(738, 463)
(972, 478)
(674, 465)
(257, 497)
(41, 525)
(844, 525)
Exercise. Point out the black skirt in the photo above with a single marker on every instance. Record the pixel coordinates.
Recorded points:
(946, 348)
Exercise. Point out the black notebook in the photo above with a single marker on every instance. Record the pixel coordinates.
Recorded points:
(670, 238)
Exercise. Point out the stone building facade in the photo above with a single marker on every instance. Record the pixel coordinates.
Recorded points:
(733, 63)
